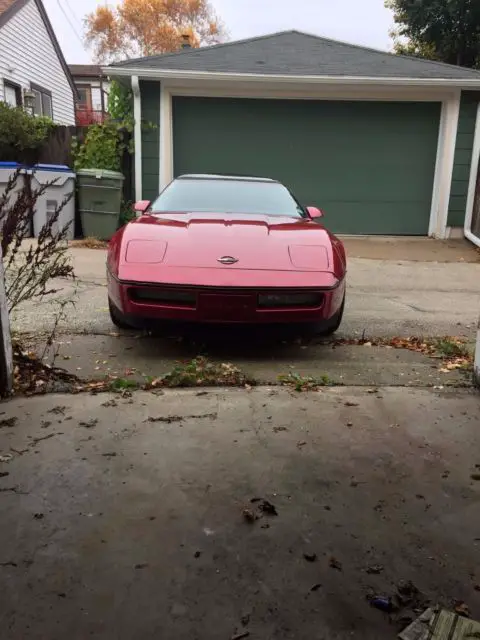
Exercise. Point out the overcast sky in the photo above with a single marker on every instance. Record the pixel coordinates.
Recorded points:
(363, 22)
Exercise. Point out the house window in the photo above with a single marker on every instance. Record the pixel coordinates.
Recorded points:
(43, 101)
(85, 97)
(12, 94)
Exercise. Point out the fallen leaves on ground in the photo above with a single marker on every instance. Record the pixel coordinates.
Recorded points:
(452, 350)
(262, 507)
(32, 376)
(8, 422)
(89, 243)
(462, 609)
(333, 563)
(201, 372)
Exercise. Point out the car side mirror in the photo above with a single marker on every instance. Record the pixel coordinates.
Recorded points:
(314, 212)
(141, 206)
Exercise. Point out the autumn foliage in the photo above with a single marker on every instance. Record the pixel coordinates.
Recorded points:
(149, 27)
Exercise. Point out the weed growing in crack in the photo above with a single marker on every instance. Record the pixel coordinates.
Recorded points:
(305, 383)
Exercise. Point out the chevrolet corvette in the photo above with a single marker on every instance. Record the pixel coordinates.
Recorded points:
(226, 249)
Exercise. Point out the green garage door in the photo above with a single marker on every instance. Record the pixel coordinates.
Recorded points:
(369, 165)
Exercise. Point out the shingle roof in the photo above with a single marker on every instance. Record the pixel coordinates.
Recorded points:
(299, 54)
(85, 70)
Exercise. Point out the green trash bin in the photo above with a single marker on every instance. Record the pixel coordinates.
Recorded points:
(99, 201)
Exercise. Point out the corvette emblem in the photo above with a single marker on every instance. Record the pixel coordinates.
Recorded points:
(227, 260)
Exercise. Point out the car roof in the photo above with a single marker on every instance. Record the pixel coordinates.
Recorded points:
(218, 176)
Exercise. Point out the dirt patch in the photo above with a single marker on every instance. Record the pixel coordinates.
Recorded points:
(89, 243)
(32, 376)
(412, 249)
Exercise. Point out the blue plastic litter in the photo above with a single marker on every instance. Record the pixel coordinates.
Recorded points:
(382, 603)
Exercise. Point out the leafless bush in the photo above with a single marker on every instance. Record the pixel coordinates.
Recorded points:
(31, 273)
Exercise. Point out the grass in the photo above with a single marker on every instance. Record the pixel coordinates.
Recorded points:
(123, 384)
(202, 372)
(305, 383)
(452, 348)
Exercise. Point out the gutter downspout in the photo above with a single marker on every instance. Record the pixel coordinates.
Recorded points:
(137, 114)
(467, 230)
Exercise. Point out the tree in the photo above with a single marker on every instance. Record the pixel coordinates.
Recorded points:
(445, 30)
(148, 27)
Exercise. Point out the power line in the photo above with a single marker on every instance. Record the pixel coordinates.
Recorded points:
(70, 23)
(72, 12)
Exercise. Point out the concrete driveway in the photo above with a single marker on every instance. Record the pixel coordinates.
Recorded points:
(391, 294)
(143, 516)
(129, 518)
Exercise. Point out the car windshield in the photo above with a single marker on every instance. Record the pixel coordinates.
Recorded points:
(206, 195)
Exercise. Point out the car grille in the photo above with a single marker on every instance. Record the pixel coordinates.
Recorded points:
(262, 299)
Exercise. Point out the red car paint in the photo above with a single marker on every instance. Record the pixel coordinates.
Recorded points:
(180, 252)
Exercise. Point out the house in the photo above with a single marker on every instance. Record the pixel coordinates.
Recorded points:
(92, 88)
(383, 143)
(33, 71)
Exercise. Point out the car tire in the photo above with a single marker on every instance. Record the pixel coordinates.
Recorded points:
(336, 321)
(116, 317)
(333, 324)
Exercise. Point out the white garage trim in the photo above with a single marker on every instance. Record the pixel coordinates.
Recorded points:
(166, 138)
(137, 115)
(442, 183)
(220, 76)
(446, 139)
(471, 190)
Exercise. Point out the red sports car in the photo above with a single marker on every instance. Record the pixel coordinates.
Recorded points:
(226, 249)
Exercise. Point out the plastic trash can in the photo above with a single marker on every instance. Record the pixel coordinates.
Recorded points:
(53, 197)
(7, 169)
(100, 199)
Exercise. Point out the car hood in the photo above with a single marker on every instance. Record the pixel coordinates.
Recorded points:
(201, 240)
(155, 244)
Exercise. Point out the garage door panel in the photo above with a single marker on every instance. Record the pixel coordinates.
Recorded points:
(369, 165)
(384, 219)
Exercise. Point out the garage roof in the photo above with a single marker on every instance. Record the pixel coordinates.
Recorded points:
(294, 53)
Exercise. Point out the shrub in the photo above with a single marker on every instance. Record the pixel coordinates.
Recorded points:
(100, 149)
(21, 134)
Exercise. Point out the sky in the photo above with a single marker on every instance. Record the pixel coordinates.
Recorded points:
(364, 22)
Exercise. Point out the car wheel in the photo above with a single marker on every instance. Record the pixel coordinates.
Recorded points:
(116, 317)
(334, 323)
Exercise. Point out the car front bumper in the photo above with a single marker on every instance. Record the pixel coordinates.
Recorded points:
(220, 305)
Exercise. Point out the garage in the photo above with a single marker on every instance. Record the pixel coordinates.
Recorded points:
(368, 165)
(382, 143)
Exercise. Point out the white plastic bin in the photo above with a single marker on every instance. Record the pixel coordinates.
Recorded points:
(7, 169)
(49, 201)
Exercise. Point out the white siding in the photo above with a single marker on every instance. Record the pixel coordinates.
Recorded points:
(27, 55)
(96, 99)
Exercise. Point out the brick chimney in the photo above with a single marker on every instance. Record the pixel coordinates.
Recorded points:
(186, 41)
